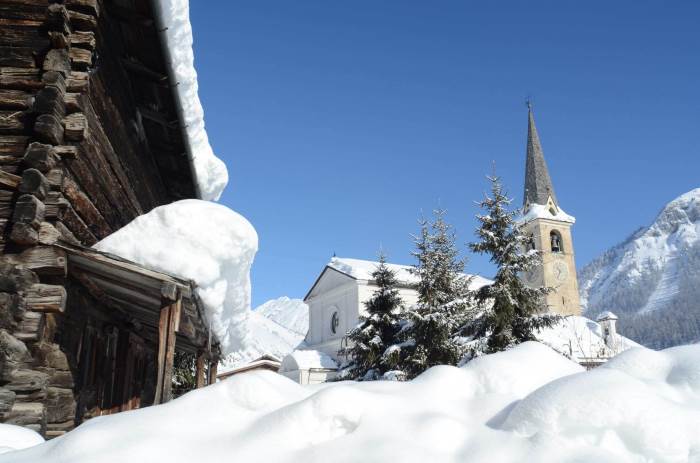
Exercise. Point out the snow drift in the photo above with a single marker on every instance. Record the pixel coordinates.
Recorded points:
(173, 17)
(203, 241)
(17, 438)
(526, 404)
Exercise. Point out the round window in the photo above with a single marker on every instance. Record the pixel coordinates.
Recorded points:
(335, 321)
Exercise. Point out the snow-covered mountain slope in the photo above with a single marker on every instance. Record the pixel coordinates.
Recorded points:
(652, 278)
(276, 327)
(292, 314)
(528, 404)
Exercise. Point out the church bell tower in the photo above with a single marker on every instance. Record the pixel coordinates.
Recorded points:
(550, 229)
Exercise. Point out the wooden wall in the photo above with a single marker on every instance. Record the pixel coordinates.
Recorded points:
(89, 140)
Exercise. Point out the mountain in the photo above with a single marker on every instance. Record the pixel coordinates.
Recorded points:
(292, 314)
(652, 279)
(276, 327)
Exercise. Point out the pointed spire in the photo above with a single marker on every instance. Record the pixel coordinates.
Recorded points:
(538, 185)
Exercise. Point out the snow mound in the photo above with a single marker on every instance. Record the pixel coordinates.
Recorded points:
(203, 241)
(173, 17)
(17, 438)
(526, 404)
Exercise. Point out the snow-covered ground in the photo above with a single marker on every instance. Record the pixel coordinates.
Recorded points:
(276, 328)
(526, 404)
(203, 241)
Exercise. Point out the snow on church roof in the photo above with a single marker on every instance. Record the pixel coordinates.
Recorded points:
(173, 20)
(538, 211)
(362, 270)
(303, 359)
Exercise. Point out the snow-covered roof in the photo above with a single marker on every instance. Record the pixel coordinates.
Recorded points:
(202, 241)
(308, 360)
(582, 339)
(362, 270)
(538, 211)
(173, 20)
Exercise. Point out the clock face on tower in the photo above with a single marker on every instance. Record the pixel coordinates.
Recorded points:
(561, 271)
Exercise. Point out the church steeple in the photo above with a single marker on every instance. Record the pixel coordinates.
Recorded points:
(538, 185)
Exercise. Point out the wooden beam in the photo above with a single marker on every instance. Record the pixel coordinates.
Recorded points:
(137, 68)
(213, 367)
(199, 371)
(169, 322)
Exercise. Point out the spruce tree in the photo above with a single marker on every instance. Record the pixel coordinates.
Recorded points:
(511, 311)
(431, 325)
(375, 331)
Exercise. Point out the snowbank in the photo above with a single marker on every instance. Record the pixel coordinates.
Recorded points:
(527, 404)
(203, 241)
(173, 18)
(17, 438)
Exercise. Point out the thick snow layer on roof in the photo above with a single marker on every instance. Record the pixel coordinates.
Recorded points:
(203, 241)
(17, 438)
(581, 338)
(363, 269)
(526, 404)
(173, 18)
(292, 314)
(538, 211)
(307, 359)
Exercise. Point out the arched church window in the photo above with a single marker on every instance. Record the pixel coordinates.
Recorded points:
(335, 321)
(555, 239)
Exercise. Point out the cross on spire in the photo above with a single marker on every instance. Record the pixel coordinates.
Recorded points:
(538, 184)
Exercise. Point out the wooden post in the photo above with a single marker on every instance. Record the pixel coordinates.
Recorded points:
(199, 373)
(167, 329)
(213, 366)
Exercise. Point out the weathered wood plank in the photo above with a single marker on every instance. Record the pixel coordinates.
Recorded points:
(50, 100)
(14, 122)
(49, 129)
(84, 207)
(40, 157)
(20, 57)
(44, 260)
(78, 227)
(169, 322)
(81, 58)
(34, 183)
(81, 21)
(84, 40)
(78, 82)
(75, 126)
(10, 181)
(15, 99)
(29, 210)
(199, 370)
(46, 298)
(20, 78)
(13, 145)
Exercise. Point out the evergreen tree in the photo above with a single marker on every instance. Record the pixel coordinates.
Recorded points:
(376, 331)
(511, 311)
(429, 332)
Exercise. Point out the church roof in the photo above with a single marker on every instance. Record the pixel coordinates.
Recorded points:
(538, 184)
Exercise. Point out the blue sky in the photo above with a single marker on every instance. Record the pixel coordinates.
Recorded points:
(341, 121)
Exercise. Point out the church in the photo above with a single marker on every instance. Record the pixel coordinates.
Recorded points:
(337, 297)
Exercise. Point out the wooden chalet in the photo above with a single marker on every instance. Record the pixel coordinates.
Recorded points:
(90, 138)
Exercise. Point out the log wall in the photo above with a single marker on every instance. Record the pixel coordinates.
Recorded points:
(89, 140)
